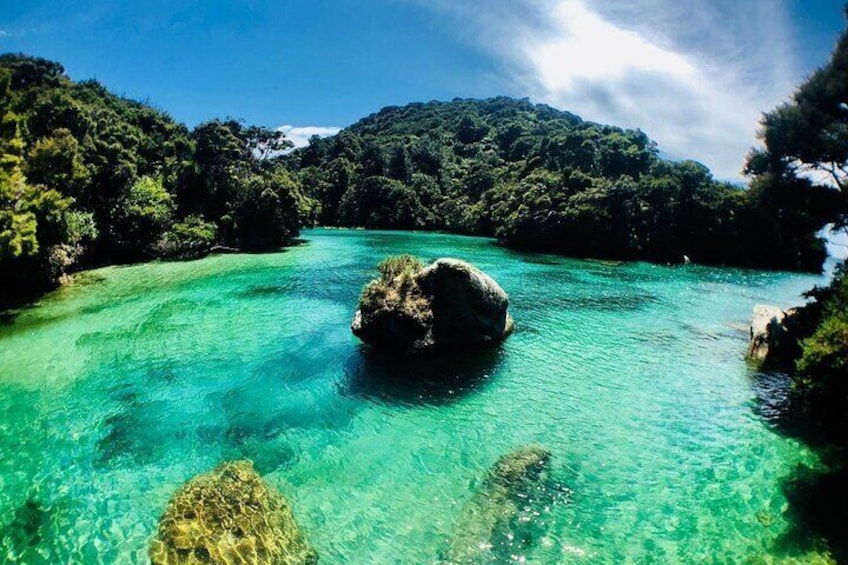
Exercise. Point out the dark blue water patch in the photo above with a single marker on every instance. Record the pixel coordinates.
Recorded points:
(306, 355)
(818, 509)
(773, 400)
(265, 407)
(268, 456)
(426, 379)
(21, 536)
(278, 397)
(264, 291)
(148, 415)
(597, 303)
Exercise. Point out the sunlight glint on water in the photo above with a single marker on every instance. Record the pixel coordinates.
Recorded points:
(115, 391)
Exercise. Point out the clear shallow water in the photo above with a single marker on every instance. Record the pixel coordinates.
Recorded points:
(117, 390)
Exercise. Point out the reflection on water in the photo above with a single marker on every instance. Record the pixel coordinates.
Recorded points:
(817, 496)
(114, 393)
(818, 511)
(439, 379)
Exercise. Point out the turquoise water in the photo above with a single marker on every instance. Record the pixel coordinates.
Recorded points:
(116, 390)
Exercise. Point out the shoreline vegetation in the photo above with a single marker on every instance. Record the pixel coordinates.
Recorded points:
(90, 179)
(807, 138)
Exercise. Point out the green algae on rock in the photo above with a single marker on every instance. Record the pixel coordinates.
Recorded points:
(448, 305)
(229, 515)
(495, 519)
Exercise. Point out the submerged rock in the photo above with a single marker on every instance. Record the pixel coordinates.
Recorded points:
(20, 539)
(229, 515)
(447, 305)
(496, 521)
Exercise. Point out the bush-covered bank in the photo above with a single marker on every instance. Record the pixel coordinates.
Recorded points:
(88, 178)
(543, 179)
(807, 138)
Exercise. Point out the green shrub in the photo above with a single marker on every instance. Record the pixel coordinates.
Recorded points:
(396, 290)
(822, 368)
(392, 267)
(189, 238)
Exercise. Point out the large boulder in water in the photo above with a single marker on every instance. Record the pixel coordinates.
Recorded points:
(767, 332)
(493, 525)
(229, 515)
(776, 334)
(447, 305)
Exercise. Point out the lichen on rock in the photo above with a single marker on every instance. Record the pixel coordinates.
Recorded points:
(227, 516)
(447, 305)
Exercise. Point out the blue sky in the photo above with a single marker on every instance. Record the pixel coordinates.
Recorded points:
(695, 75)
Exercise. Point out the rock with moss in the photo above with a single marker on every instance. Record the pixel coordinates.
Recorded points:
(449, 304)
(495, 523)
(229, 515)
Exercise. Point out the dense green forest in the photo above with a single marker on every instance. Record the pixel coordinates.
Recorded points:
(88, 178)
(543, 179)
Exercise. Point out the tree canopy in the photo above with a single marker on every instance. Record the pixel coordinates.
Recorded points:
(88, 178)
(543, 179)
(801, 178)
(806, 144)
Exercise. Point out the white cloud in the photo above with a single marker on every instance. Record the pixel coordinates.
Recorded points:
(4, 33)
(299, 135)
(591, 49)
(695, 76)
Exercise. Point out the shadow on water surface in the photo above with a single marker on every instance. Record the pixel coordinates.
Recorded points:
(818, 510)
(417, 380)
(20, 538)
(817, 497)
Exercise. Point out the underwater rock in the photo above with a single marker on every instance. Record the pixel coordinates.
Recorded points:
(20, 538)
(448, 305)
(497, 518)
(229, 515)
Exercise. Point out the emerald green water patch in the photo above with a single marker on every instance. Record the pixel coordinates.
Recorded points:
(115, 392)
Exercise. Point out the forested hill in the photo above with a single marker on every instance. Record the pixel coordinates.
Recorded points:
(543, 179)
(88, 178)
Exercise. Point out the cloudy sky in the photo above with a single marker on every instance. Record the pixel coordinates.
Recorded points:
(694, 74)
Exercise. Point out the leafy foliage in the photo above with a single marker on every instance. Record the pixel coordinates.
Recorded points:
(396, 288)
(801, 181)
(89, 178)
(395, 303)
(543, 179)
(189, 238)
(822, 369)
(809, 134)
(405, 266)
